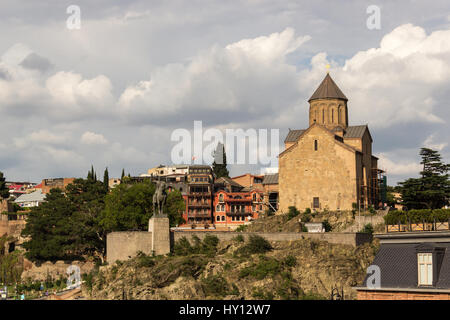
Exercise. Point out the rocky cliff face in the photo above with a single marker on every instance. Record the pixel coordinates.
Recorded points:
(302, 269)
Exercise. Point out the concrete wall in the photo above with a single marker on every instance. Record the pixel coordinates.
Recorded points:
(54, 270)
(353, 239)
(126, 244)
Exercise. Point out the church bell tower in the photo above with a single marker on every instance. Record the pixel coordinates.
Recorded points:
(328, 106)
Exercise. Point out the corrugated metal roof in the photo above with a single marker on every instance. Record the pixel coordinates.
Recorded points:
(270, 178)
(328, 90)
(293, 135)
(34, 196)
(355, 131)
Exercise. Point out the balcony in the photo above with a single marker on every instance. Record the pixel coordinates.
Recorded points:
(199, 215)
(238, 213)
(199, 204)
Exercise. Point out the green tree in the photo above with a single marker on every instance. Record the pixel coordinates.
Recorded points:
(123, 174)
(52, 229)
(432, 189)
(174, 208)
(66, 226)
(106, 179)
(4, 191)
(128, 207)
(219, 165)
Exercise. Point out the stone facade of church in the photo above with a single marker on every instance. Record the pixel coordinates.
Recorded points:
(330, 164)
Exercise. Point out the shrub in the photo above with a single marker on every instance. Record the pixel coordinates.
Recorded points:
(290, 261)
(208, 246)
(292, 212)
(327, 226)
(239, 238)
(241, 228)
(368, 228)
(265, 267)
(216, 286)
(144, 260)
(417, 216)
(307, 211)
(182, 247)
(255, 244)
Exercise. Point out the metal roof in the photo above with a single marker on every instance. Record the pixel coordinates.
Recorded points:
(398, 266)
(270, 178)
(34, 196)
(328, 90)
(293, 135)
(355, 131)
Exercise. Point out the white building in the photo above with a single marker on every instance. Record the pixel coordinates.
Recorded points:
(29, 200)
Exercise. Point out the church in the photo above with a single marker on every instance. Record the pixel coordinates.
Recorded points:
(329, 165)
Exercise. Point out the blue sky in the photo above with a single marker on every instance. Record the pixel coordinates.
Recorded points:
(111, 93)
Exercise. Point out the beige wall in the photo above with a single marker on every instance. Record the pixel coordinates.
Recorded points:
(125, 244)
(328, 173)
(353, 239)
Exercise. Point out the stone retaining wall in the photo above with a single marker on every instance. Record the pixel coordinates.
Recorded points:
(353, 239)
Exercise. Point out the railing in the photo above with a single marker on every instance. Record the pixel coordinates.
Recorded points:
(417, 227)
(199, 204)
(199, 215)
(238, 213)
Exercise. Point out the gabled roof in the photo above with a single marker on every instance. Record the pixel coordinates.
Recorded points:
(34, 196)
(343, 144)
(293, 135)
(355, 131)
(270, 178)
(328, 89)
(229, 181)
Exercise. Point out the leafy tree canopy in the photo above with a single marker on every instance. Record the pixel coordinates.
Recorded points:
(128, 207)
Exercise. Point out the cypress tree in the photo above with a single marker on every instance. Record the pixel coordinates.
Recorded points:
(220, 162)
(106, 179)
(4, 191)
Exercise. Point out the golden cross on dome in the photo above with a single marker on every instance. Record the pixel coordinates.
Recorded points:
(328, 67)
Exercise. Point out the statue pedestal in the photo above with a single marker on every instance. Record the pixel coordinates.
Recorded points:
(160, 229)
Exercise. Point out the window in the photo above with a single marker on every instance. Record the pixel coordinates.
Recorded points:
(221, 197)
(316, 202)
(218, 218)
(315, 145)
(223, 218)
(425, 269)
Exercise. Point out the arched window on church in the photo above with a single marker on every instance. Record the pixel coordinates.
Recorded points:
(332, 115)
(323, 115)
(339, 114)
(315, 145)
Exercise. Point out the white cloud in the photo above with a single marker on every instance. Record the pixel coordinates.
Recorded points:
(93, 138)
(250, 76)
(430, 143)
(407, 168)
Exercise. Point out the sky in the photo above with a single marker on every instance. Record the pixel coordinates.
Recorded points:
(111, 93)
